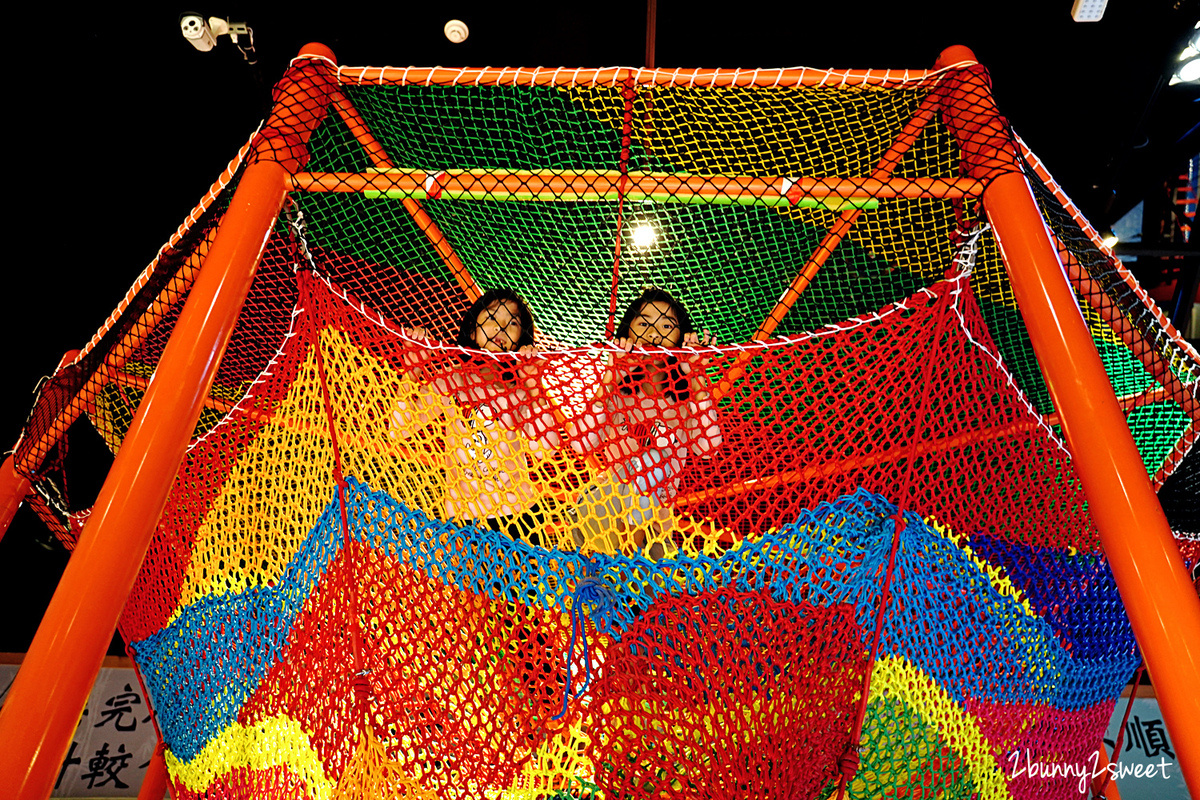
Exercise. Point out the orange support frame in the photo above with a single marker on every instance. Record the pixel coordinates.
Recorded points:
(611, 76)
(51, 689)
(13, 488)
(49, 693)
(566, 184)
(154, 784)
(1157, 592)
(177, 287)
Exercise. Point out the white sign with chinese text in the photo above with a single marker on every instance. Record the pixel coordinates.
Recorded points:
(113, 744)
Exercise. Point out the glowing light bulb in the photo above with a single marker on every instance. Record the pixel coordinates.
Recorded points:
(1189, 71)
(644, 236)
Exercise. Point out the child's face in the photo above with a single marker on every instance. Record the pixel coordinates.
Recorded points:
(655, 324)
(498, 328)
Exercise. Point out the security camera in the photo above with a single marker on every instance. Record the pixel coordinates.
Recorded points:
(197, 31)
(203, 34)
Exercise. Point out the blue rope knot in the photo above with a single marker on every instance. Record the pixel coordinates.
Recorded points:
(603, 601)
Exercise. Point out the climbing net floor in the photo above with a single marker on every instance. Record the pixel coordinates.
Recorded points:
(840, 548)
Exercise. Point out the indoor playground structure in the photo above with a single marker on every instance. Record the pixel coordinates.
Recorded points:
(896, 524)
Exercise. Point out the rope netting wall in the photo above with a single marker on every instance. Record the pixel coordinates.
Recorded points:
(394, 566)
(706, 638)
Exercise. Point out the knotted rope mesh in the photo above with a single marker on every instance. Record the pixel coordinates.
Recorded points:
(397, 565)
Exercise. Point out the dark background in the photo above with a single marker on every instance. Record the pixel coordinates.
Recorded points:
(119, 126)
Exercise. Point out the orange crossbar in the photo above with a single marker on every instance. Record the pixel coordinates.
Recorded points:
(1119, 267)
(576, 185)
(51, 689)
(1148, 355)
(13, 488)
(848, 464)
(435, 236)
(612, 76)
(935, 446)
(907, 137)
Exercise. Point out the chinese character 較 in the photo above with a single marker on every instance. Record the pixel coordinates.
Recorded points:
(102, 765)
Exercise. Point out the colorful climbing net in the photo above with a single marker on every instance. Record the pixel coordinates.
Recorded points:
(841, 550)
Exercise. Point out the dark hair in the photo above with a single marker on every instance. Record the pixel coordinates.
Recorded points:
(470, 320)
(655, 296)
(677, 383)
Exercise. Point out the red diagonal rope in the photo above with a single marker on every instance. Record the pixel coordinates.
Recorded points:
(360, 681)
(628, 93)
(848, 762)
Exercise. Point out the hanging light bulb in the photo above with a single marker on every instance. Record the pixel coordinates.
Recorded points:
(644, 236)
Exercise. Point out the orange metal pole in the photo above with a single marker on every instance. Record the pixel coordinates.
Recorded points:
(51, 689)
(360, 131)
(848, 464)
(34, 452)
(154, 784)
(379, 157)
(833, 237)
(557, 185)
(434, 234)
(13, 488)
(302, 98)
(611, 76)
(1156, 590)
(887, 456)
(879, 179)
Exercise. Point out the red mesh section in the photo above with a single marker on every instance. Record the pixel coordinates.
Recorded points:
(1025, 736)
(245, 783)
(978, 459)
(727, 695)
(473, 681)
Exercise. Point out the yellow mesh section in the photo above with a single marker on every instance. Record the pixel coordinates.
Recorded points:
(268, 506)
(735, 131)
(898, 680)
(560, 764)
(274, 742)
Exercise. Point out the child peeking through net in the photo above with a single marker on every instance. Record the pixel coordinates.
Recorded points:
(654, 410)
(495, 422)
